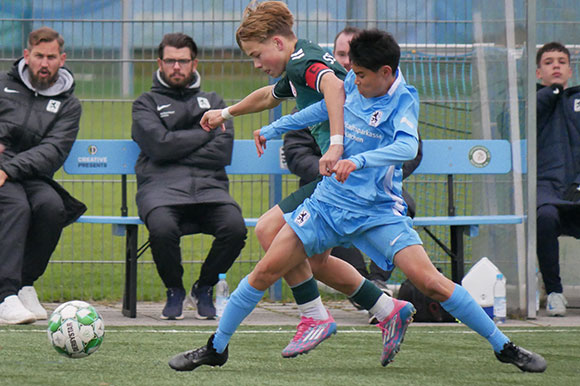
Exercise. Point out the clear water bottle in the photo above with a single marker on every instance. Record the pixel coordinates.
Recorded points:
(499, 300)
(222, 294)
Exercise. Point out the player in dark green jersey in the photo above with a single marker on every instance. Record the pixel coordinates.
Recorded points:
(309, 74)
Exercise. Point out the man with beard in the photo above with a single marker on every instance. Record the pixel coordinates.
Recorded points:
(39, 121)
(182, 186)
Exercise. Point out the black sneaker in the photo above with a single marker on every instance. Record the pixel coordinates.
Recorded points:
(174, 307)
(205, 355)
(203, 298)
(525, 360)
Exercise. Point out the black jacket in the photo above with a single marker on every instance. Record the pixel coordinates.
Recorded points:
(558, 154)
(180, 163)
(302, 155)
(38, 129)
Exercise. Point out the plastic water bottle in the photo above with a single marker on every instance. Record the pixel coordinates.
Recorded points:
(222, 294)
(499, 300)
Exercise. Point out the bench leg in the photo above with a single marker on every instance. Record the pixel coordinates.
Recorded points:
(457, 263)
(130, 295)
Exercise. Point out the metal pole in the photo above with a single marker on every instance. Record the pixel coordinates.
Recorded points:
(371, 14)
(126, 48)
(532, 163)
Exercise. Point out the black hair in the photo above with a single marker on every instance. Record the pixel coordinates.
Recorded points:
(373, 49)
(550, 47)
(177, 40)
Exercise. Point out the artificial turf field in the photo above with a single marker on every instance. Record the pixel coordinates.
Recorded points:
(430, 355)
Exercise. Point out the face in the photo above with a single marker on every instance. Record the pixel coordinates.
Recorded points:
(44, 61)
(177, 68)
(372, 84)
(554, 68)
(268, 56)
(341, 50)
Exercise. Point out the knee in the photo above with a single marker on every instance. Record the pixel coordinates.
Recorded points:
(261, 278)
(265, 230)
(547, 218)
(161, 229)
(51, 210)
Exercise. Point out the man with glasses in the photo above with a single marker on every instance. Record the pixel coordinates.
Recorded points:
(182, 186)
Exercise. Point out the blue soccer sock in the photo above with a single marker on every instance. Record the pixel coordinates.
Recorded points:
(463, 307)
(242, 302)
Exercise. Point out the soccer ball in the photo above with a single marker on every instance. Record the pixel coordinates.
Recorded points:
(75, 329)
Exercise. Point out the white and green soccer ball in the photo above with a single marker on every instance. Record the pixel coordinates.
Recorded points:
(75, 329)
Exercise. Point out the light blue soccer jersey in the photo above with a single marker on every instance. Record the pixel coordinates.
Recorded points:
(371, 125)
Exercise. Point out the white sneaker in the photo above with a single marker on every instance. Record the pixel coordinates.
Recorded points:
(29, 299)
(556, 304)
(13, 312)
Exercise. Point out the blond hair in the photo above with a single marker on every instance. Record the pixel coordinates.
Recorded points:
(45, 35)
(263, 20)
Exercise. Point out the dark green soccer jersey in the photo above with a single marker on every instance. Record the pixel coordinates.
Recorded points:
(308, 63)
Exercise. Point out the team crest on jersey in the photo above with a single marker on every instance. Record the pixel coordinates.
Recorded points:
(576, 105)
(293, 89)
(203, 103)
(302, 217)
(376, 118)
(52, 106)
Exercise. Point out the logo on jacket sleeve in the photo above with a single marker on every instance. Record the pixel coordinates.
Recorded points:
(203, 103)
(52, 106)
(576, 105)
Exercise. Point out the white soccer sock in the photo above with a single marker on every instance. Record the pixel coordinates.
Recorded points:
(383, 307)
(313, 309)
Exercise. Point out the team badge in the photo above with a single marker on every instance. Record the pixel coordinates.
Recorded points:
(203, 103)
(376, 118)
(576, 105)
(52, 106)
(302, 217)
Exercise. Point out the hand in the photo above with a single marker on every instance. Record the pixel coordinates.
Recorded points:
(329, 159)
(3, 177)
(572, 193)
(260, 142)
(342, 169)
(212, 119)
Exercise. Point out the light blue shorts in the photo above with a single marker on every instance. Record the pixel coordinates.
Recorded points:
(321, 226)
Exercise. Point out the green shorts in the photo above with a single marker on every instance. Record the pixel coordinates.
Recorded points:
(290, 203)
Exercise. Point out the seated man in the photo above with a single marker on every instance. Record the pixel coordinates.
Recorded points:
(39, 122)
(361, 205)
(182, 186)
(558, 197)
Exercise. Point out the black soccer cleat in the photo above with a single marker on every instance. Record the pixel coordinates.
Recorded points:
(525, 360)
(205, 355)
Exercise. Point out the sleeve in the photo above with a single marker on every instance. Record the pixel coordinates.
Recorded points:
(49, 155)
(314, 73)
(547, 98)
(302, 154)
(158, 143)
(410, 166)
(282, 89)
(312, 114)
(402, 149)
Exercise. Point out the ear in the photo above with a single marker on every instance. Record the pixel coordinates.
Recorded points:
(538, 75)
(26, 55)
(159, 63)
(194, 66)
(62, 58)
(278, 43)
(386, 71)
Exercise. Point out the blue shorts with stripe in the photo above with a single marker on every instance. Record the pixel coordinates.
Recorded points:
(321, 226)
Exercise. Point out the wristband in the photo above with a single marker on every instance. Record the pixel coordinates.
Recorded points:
(336, 139)
(226, 114)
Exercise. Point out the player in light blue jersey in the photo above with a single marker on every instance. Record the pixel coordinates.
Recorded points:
(361, 205)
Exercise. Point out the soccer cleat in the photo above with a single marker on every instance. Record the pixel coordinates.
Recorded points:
(174, 306)
(309, 334)
(13, 312)
(394, 328)
(29, 299)
(202, 297)
(556, 304)
(525, 360)
(205, 355)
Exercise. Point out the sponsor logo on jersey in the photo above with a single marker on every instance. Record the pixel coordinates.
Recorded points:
(302, 217)
(52, 106)
(203, 103)
(375, 118)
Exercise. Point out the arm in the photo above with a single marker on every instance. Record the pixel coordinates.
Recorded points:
(51, 152)
(156, 141)
(302, 154)
(402, 149)
(410, 166)
(259, 100)
(215, 154)
(333, 90)
(547, 98)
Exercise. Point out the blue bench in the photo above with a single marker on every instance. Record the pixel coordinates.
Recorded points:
(447, 157)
